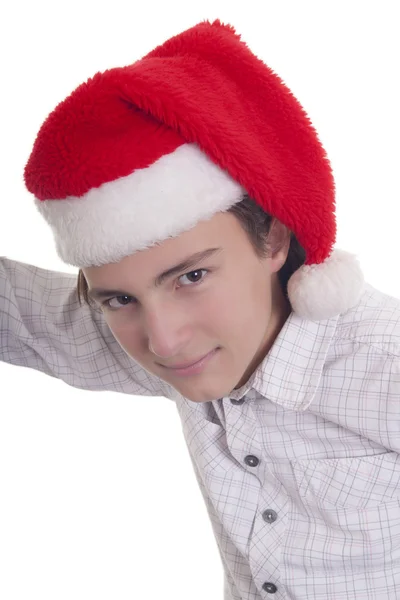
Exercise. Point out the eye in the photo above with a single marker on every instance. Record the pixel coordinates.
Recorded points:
(122, 301)
(107, 304)
(197, 271)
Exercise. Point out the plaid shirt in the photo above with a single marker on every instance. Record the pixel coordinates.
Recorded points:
(299, 469)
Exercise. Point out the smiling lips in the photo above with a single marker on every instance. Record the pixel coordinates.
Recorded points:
(185, 365)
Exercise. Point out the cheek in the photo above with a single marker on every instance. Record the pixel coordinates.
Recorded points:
(125, 334)
(245, 311)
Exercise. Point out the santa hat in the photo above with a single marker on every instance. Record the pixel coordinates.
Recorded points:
(142, 153)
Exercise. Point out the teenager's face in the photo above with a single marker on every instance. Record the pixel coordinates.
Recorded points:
(230, 301)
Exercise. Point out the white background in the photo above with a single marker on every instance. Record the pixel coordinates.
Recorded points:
(96, 503)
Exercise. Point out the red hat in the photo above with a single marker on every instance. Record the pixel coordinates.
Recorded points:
(142, 153)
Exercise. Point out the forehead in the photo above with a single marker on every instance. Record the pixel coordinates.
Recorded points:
(218, 231)
(151, 268)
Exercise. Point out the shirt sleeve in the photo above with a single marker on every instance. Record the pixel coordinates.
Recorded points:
(44, 327)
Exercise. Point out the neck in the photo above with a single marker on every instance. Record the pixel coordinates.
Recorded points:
(280, 312)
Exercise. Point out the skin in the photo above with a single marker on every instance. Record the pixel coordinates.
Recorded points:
(238, 305)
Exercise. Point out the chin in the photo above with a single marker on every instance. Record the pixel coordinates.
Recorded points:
(198, 397)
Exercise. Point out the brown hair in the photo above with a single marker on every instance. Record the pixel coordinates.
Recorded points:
(256, 223)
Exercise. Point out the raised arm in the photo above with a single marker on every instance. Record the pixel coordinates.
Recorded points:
(43, 327)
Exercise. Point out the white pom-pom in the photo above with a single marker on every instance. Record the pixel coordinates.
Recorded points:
(319, 292)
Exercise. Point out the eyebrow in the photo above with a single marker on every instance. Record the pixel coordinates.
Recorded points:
(187, 263)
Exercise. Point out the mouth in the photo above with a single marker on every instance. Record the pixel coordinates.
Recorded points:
(185, 365)
(194, 367)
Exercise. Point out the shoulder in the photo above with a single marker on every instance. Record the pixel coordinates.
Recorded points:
(374, 321)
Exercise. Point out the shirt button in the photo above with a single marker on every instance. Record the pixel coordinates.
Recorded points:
(269, 587)
(240, 401)
(269, 515)
(251, 460)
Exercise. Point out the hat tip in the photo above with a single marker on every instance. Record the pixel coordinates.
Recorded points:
(322, 291)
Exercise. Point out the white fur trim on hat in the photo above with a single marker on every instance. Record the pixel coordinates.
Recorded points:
(319, 292)
(135, 212)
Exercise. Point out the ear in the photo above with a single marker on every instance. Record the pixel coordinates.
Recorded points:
(278, 244)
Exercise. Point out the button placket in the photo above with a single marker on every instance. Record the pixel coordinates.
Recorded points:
(269, 515)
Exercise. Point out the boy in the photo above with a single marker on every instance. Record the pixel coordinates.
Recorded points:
(192, 192)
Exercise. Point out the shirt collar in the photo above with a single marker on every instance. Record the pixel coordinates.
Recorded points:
(291, 371)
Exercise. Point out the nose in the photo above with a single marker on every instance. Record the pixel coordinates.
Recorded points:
(168, 331)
